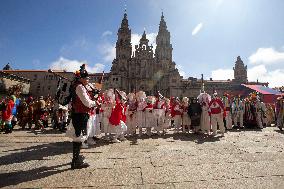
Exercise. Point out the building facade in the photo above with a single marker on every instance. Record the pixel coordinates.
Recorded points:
(9, 80)
(143, 69)
(152, 71)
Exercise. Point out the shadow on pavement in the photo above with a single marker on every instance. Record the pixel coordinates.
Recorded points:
(279, 131)
(14, 178)
(38, 152)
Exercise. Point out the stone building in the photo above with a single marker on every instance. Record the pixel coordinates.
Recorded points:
(144, 69)
(44, 83)
(8, 80)
(152, 71)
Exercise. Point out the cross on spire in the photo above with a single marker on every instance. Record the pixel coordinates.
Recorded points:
(125, 7)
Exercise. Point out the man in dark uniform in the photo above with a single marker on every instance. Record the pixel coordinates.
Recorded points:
(81, 107)
(194, 112)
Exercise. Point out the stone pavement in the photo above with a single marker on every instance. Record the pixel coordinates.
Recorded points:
(241, 159)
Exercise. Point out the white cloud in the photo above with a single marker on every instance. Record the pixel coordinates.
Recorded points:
(222, 74)
(197, 29)
(108, 51)
(106, 33)
(73, 65)
(135, 38)
(266, 56)
(274, 77)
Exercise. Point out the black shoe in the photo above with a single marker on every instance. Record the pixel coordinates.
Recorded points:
(77, 164)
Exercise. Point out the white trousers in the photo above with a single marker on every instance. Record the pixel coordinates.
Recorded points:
(140, 119)
(177, 122)
(205, 120)
(228, 119)
(258, 120)
(92, 127)
(131, 124)
(239, 115)
(217, 119)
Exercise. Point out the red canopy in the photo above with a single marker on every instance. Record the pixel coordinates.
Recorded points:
(269, 95)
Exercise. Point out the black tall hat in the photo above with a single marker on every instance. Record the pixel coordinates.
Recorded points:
(83, 71)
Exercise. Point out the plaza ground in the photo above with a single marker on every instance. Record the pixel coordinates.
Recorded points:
(241, 159)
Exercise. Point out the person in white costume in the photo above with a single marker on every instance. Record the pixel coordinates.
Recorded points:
(204, 100)
(186, 122)
(149, 116)
(141, 104)
(159, 114)
(107, 106)
(216, 111)
(118, 117)
(238, 108)
(264, 114)
(176, 113)
(260, 110)
(92, 127)
(131, 113)
(167, 122)
(227, 106)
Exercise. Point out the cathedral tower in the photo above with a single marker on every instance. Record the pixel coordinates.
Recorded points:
(240, 71)
(164, 47)
(123, 44)
(120, 65)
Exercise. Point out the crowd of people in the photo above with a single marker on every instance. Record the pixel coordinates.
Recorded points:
(113, 115)
(146, 114)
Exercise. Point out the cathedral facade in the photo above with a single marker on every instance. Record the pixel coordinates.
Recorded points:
(143, 69)
(152, 71)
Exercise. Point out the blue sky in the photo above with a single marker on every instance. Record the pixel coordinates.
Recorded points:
(207, 35)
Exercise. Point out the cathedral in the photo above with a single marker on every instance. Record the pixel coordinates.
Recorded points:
(152, 71)
(143, 69)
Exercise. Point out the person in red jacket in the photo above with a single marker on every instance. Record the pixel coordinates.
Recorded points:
(176, 113)
(118, 117)
(217, 113)
(82, 105)
(7, 114)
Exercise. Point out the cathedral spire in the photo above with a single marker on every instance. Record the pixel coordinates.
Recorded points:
(164, 47)
(123, 44)
(124, 22)
(144, 39)
(163, 24)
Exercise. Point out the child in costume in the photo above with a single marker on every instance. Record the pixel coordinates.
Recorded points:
(159, 113)
(118, 117)
(131, 114)
(141, 104)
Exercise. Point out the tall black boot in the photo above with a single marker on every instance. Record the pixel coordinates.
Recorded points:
(77, 161)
